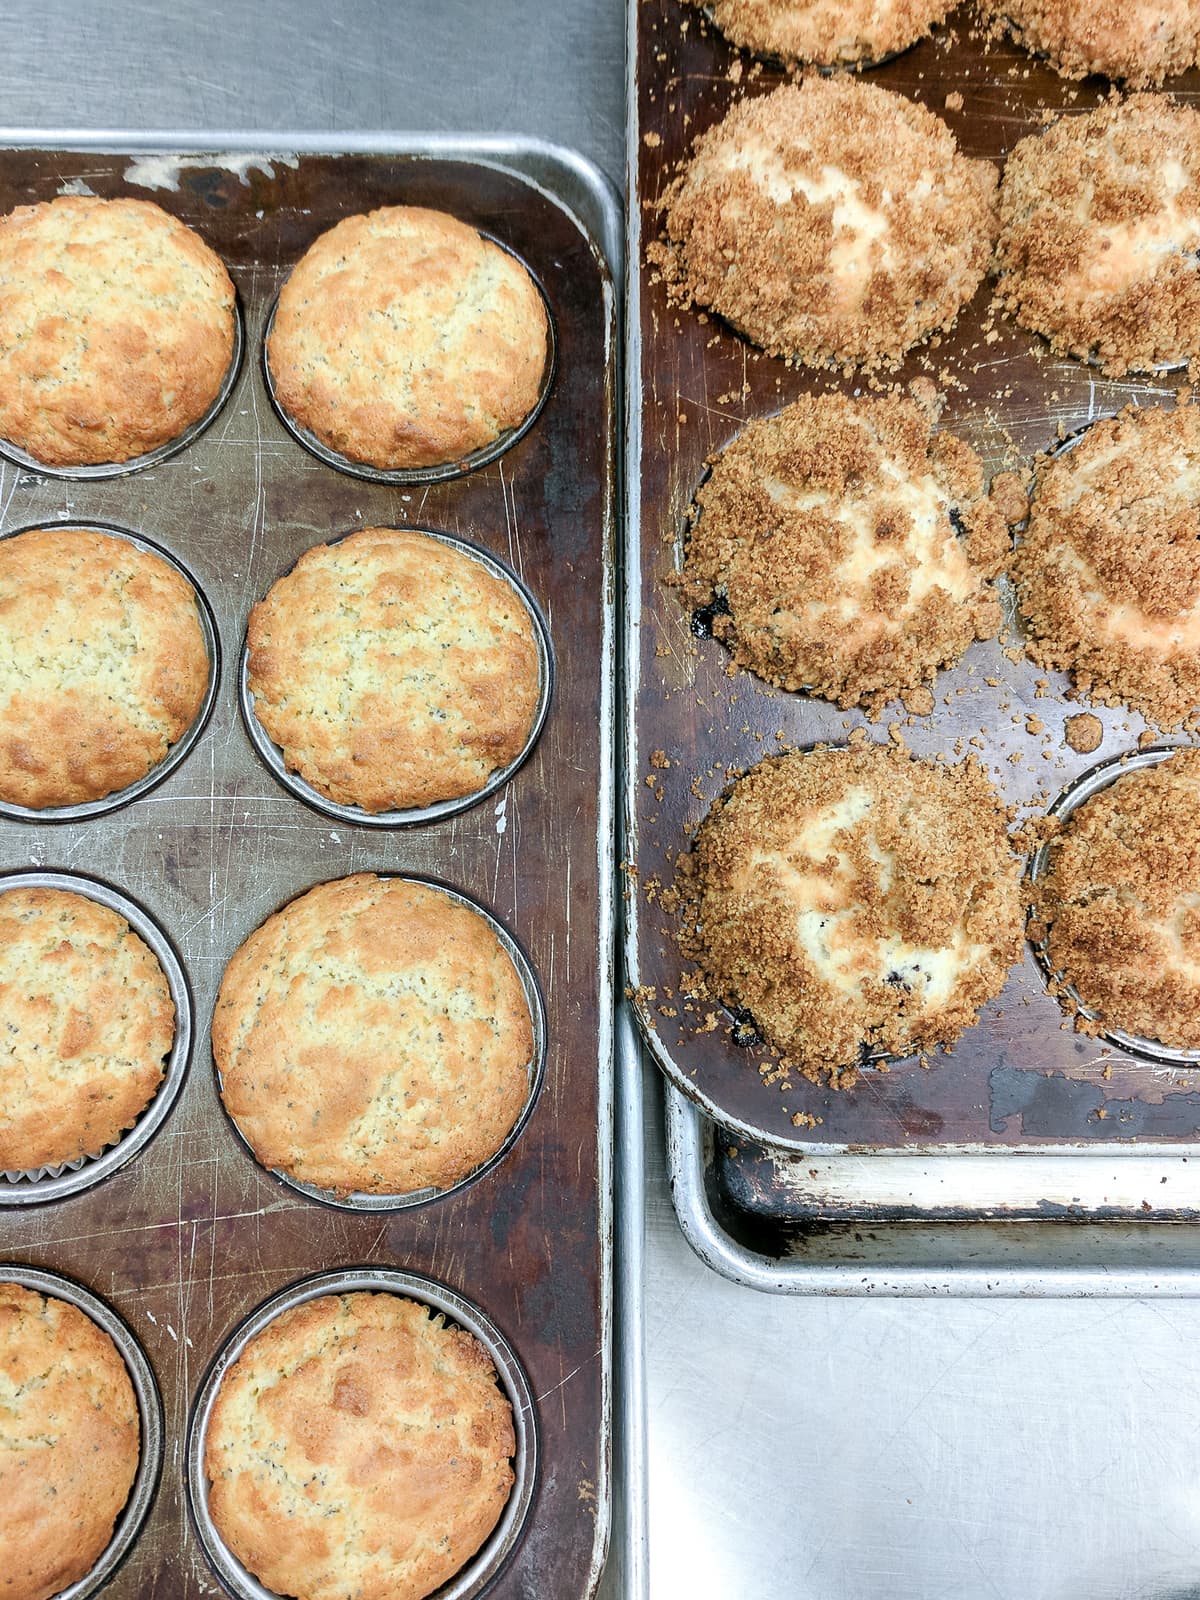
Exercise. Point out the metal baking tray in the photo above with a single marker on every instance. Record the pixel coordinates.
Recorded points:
(191, 1234)
(1022, 1092)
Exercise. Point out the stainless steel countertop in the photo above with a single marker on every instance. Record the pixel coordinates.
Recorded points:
(798, 1449)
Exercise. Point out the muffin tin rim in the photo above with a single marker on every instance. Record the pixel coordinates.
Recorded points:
(178, 752)
(272, 756)
(361, 1202)
(106, 470)
(439, 472)
(55, 1285)
(479, 1572)
(73, 1178)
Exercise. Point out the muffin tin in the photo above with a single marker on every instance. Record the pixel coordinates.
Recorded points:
(1021, 1080)
(192, 1234)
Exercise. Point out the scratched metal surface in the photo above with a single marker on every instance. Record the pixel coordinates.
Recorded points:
(193, 1234)
(1019, 1079)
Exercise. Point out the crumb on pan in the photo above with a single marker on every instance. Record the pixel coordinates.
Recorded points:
(102, 664)
(71, 1442)
(1083, 732)
(826, 33)
(1100, 228)
(1108, 571)
(829, 534)
(853, 901)
(1138, 42)
(116, 329)
(359, 1445)
(1120, 902)
(373, 1036)
(90, 1022)
(405, 339)
(830, 221)
(394, 670)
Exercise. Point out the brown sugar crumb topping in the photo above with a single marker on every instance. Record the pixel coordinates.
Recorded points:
(1100, 231)
(830, 534)
(826, 32)
(854, 900)
(1108, 572)
(830, 221)
(1121, 902)
(1083, 732)
(1139, 41)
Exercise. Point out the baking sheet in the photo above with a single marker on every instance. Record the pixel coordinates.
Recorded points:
(192, 1234)
(1021, 1079)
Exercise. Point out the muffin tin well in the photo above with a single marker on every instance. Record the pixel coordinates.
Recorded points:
(482, 1568)
(190, 1237)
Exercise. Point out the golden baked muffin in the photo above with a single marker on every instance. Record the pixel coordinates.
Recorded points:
(828, 33)
(69, 1443)
(394, 670)
(1100, 231)
(116, 329)
(102, 664)
(829, 532)
(1138, 41)
(89, 1025)
(854, 901)
(1108, 571)
(373, 1036)
(405, 339)
(830, 221)
(1118, 909)
(358, 1446)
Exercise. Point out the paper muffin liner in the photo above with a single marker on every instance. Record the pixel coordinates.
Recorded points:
(34, 1185)
(150, 1416)
(162, 452)
(479, 1572)
(273, 758)
(1070, 799)
(357, 1200)
(446, 470)
(183, 746)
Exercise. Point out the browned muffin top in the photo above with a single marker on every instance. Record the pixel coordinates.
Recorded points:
(90, 1022)
(394, 670)
(358, 1446)
(1119, 907)
(830, 221)
(854, 900)
(1100, 232)
(116, 329)
(1108, 572)
(1138, 41)
(102, 664)
(828, 33)
(827, 531)
(405, 339)
(69, 1443)
(373, 1036)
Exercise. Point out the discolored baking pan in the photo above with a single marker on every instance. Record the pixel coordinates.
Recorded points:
(191, 1234)
(1021, 1080)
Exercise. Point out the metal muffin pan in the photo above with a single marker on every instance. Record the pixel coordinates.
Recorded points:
(356, 1200)
(56, 1183)
(303, 790)
(444, 471)
(1020, 1081)
(477, 1574)
(150, 1417)
(119, 469)
(193, 1235)
(179, 751)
